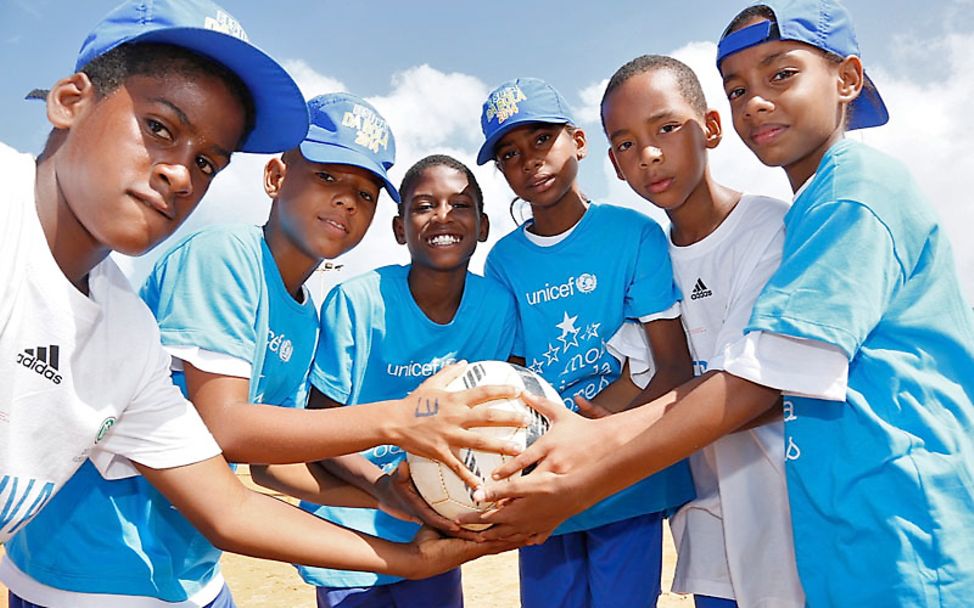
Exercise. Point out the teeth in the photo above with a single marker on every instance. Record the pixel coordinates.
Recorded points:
(442, 240)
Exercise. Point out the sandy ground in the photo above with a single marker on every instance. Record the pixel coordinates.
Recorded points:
(488, 582)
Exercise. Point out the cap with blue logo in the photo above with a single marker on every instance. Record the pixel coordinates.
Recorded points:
(515, 103)
(281, 117)
(347, 130)
(824, 24)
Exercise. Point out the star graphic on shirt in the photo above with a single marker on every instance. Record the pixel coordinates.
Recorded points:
(567, 325)
(569, 342)
(592, 331)
(536, 366)
(552, 354)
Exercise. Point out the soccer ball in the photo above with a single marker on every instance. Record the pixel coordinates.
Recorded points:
(442, 488)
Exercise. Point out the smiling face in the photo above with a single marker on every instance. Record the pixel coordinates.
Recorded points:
(442, 221)
(658, 140)
(788, 102)
(540, 161)
(134, 164)
(322, 210)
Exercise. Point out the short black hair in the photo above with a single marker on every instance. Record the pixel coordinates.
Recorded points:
(686, 79)
(110, 70)
(438, 160)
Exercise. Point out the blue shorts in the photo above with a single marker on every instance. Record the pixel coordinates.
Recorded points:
(706, 601)
(440, 591)
(223, 600)
(614, 565)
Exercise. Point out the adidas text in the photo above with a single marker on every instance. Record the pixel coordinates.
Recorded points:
(44, 362)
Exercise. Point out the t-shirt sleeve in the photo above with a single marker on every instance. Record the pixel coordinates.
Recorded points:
(205, 294)
(652, 289)
(159, 428)
(335, 360)
(837, 277)
(493, 270)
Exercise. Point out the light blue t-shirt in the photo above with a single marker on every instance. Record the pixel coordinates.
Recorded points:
(219, 290)
(377, 345)
(881, 485)
(571, 298)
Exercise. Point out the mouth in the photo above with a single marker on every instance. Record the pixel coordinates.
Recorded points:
(444, 240)
(155, 203)
(766, 134)
(660, 185)
(333, 224)
(541, 183)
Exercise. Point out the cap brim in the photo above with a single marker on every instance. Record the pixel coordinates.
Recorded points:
(868, 110)
(317, 152)
(281, 115)
(486, 153)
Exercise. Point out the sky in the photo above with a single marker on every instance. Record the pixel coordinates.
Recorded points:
(427, 65)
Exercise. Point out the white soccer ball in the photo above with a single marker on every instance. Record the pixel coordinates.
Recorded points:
(442, 488)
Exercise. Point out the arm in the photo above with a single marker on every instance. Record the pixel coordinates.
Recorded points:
(311, 482)
(668, 345)
(614, 398)
(583, 461)
(430, 422)
(249, 523)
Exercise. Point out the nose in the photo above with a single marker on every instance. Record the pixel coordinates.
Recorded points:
(345, 198)
(172, 180)
(649, 155)
(756, 104)
(532, 161)
(442, 212)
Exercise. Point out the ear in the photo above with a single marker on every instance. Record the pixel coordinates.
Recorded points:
(484, 228)
(615, 165)
(713, 132)
(69, 99)
(399, 230)
(274, 173)
(581, 144)
(851, 79)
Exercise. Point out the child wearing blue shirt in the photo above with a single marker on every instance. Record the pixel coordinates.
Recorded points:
(573, 292)
(384, 332)
(242, 329)
(863, 329)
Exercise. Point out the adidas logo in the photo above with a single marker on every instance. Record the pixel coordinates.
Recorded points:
(700, 291)
(43, 360)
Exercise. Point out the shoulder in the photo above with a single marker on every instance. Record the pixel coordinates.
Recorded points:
(762, 211)
(607, 212)
(18, 189)
(489, 290)
(854, 172)
(372, 281)
(126, 308)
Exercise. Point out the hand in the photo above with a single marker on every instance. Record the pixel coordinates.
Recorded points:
(590, 409)
(436, 554)
(434, 423)
(401, 493)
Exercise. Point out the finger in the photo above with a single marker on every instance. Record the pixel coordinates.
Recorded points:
(483, 443)
(528, 458)
(493, 416)
(589, 409)
(552, 410)
(448, 374)
(516, 487)
(482, 394)
(454, 464)
(411, 497)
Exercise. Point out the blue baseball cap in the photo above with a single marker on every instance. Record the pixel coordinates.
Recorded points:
(516, 102)
(347, 130)
(824, 24)
(281, 117)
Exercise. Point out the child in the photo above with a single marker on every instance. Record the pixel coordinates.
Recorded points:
(384, 332)
(161, 98)
(235, 316)
(573, 291)
(734, 540)
(863, 328)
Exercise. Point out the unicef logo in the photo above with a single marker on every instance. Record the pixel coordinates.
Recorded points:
(286, 350)
(587, 283)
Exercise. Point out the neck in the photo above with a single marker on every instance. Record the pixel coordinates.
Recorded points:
(74, 249)
(437, 292)
(704, 210)
(799, 171)
(294, 265)
(559, 216)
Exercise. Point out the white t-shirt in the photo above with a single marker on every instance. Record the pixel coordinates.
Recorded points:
(734, 540)
(80, 377)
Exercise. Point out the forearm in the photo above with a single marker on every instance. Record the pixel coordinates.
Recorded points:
(618, 395)
(658, 434)
(666, 378)
(313, 483)
(355, 470)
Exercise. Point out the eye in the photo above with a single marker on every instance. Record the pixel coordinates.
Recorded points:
(367, 196)
(205, 166)
(542, 139)
(158, 129)
(669, 127)
(784, 74)
(461, 203)
(734, 93)
(325, 176)
(623, 146)
(506, 155)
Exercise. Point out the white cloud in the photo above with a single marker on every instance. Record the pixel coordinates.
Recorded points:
(311, 82)
(591, 96)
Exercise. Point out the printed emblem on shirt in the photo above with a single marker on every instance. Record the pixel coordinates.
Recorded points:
(576, 346)
(419, 369)
(700, 290)
(106, 426)
(278, 343)
(585, 283)
(22, 499)
(43, 360)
